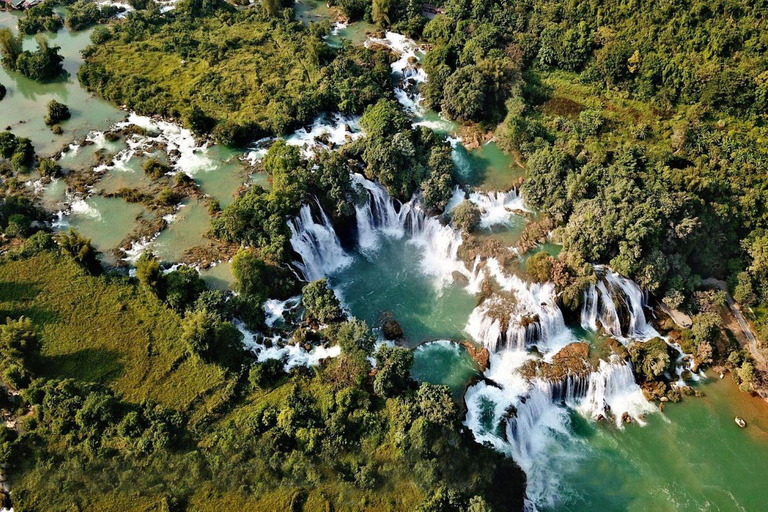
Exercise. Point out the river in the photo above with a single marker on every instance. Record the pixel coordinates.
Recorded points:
(690, 457)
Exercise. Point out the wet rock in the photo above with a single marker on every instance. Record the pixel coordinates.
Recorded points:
(391, 329)
(480, 354)
(626, 418)
(573, 359)
(460, 278)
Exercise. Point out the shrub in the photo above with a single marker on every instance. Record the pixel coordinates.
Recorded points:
(466, 216)
(393, 370)
(49, 168)
(57, 112)
(320, 302)
(80, 249)
(540, 267)
(266, 374)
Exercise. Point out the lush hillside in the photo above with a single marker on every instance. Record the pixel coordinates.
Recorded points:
(117, 400)
(106, 330)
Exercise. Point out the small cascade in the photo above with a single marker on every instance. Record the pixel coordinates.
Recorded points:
(496, 208)
(408, 74)
(317, 244)
(618, 304)
(612, 389)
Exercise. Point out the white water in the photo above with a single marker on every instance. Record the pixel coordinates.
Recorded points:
(496, 208)
(316, 242)
(326, 132)
(530, 421)
(274, 309)
(383, 216)
(406, 69)
(291, 355)
(530, 309)
(615, 298)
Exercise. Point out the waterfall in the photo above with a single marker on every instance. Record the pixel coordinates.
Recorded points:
(613, 388)
(530, 421)
(317, 244)
(409, 76)
(381, 215)
(496, 208)
(527, 315)
(619, 305)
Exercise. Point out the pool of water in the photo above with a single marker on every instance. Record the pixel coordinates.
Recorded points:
(24, 106)
(185, 230)
(446, 363)
(105, 220)
(692, 457)
(391, 281)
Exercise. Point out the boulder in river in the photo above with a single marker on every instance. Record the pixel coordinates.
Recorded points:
(480, 354)
(391, 329)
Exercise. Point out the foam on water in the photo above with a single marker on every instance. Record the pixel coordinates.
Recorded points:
(496, 208)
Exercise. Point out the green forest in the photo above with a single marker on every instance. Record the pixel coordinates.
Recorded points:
(641, 129)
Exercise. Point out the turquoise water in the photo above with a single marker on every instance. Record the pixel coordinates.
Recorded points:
(446, 363)
(392, 282)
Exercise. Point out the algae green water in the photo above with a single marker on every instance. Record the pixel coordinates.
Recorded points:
(24, 106)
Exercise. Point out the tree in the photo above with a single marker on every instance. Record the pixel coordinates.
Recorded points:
(80, 249)
(380, 12)
(207, 336)
(354, 336)
(393, 370)
(540, 267)
(320, 302)
(10, 47)
(464, 94)
(182, 287)
(266, 374)
(43, 65)
(48, 168)
(149, 273)
(384, 119)
(57, 112)
(466, 216)
(706, 327)
(651, 358)
(251, 274)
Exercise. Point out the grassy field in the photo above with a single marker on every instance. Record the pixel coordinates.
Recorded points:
(107, 331)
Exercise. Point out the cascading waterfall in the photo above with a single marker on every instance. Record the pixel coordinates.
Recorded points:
(529, 420)
(380, 216)
(619, 305)
(531, 315)
(317, 244)
(496, 208)
(409, 75)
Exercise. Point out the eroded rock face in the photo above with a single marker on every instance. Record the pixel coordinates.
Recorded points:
(480, 354)
(572, 359)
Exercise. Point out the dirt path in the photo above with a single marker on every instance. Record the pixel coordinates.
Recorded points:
(749, 335)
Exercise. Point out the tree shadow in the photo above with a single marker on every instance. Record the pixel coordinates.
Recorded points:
(90, 364)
